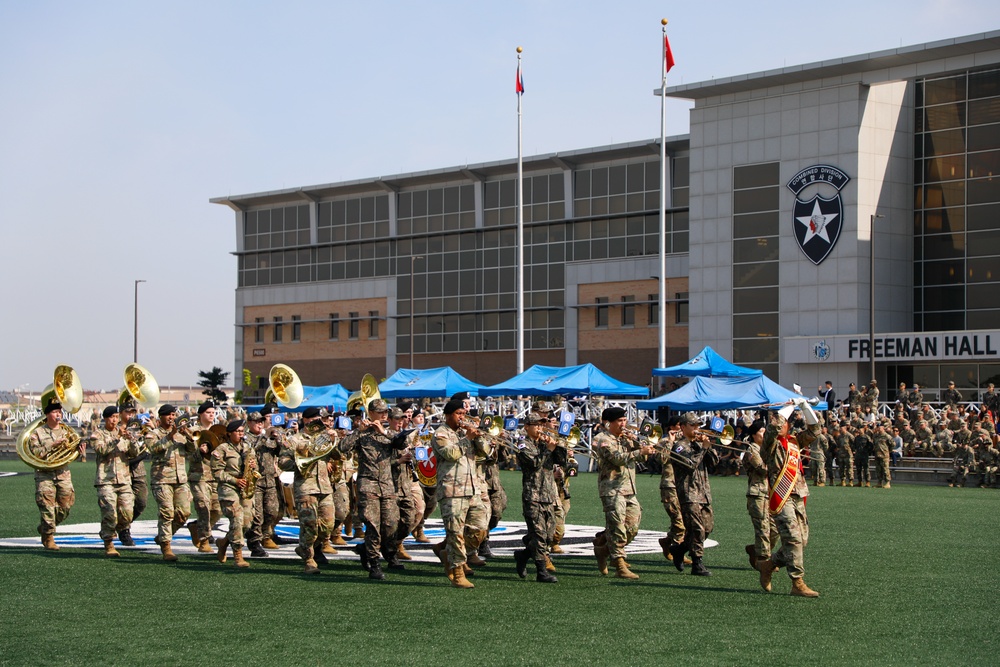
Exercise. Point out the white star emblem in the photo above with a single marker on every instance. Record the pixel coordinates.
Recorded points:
(816, 223)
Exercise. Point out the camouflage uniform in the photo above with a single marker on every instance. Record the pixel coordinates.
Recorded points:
(616, 460)
(54, 492)
(313, 495)
(845, 457)
(539, 495)
(497, 494)
(409, 496)
(817, 460)
(942, 441)
(952, 397)
(266, 508)
(964, 463)
(988, 457)
(669, 500)
(458, 491)
(791, 520)
(862, 451)
(695, 493)
(113, 480)
(764, 531)
(377, 500)
(924, 438)
(203, 488)
(882, 445)
(170, 481)
(228, 462)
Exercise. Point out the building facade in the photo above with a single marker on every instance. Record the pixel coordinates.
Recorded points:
(790, 187)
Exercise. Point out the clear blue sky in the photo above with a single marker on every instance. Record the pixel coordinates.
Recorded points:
(119, 120)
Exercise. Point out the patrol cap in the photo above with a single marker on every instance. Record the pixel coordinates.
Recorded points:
(109, 411)
(166, 409)
(612, 414)
(255, 417)
(378, 405)
(535, 418)
(234, 425)
(397, 413)
(689, 419)
(542, 406)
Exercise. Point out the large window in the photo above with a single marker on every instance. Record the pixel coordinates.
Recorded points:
(544, 200)
(334, 326)
(277, 329)
(296, 327)
(957, 202)
(354, 219)
(449, 208)
(755, 266)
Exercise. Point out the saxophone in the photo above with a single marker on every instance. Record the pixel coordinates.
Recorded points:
(250, 474)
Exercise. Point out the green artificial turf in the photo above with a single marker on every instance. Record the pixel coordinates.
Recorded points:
(906, 576)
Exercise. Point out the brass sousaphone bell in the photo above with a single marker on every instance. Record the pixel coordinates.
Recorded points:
(67, 389)
(285, 387)
(363, 397)
(141, 386)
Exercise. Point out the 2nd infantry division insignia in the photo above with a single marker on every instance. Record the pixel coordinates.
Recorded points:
(817, 221)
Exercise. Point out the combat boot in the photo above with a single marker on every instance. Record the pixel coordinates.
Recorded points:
(542, 573)
(401, 552)
(468, 570)
(665, 547)
(238, 559)
(698, 568)
(484, 550)
(168, 553)
(458, 579)
(548, 564)
(49, 542)
(521, 562)
(419, 536)
(392, 562)
(677, 552)
(800, 589)
(222, 543)
(326, 548)
(268, 543)
(820, 483)
(319, 556)
(125, 537)
(376, 571)
(886, 486)
(843, 483)
(474, 560)
(109, 549)
(766, 568)
(310, 567)
(359, 532)
(337, 539)
(622, 571)
(195, 533)
(554, 547)
(752, 555)
(204, 547)
(363, 555)
(601, 553)
(257, 550)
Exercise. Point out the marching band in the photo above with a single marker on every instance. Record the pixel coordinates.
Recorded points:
(382, 471)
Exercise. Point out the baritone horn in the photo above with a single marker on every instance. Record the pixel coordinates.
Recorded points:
(141, 386)
(286, 386)
(67, 389)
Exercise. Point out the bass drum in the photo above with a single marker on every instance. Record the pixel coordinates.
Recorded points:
(427, 467)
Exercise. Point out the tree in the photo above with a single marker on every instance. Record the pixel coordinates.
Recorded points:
(211, 381)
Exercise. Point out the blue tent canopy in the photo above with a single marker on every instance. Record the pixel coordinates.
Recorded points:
(707, 363)
(328, 396)
(563, 381)
(426, 383)
(704, 393)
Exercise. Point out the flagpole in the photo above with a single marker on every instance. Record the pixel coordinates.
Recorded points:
(662, 357)
(520, 227)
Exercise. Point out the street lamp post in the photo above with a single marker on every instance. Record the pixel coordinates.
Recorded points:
(871, 300)
(135, 320)
(413, 259)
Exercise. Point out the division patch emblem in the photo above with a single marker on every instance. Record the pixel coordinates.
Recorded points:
(817, 221)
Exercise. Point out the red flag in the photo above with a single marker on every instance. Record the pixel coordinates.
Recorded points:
(668, 54)
(519, 83)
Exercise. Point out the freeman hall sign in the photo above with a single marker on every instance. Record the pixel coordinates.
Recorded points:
(901, 347)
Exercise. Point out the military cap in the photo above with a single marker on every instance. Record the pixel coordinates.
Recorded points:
(612, 414)
(166, 409)
(255, 417)
(234, 425)
(535, 418)
(109, 411)
(207, 405)
(689, 419)
(378, 405)
(453, 405)
(397, 413)
(310, 412)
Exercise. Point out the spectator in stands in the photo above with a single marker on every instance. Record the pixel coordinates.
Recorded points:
(952, 396)
(897, 447)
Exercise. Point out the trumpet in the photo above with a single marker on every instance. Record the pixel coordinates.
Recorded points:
(725, 437)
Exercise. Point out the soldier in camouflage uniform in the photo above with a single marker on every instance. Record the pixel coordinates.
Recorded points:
(112, 451)
(538, 455)
(616, 456)
(136, 468)
(266, 509)
(882, 446)
(914, 403)
(54, 492)
(788, 512)
(943, 445)
(845, 455)
(817, 460)
(952, 397)
(691, 455)
(203, 488)
(764, 531)
(170, 451)
(230, 461)
(964, 463)
(458, 490)
(313, 493)
(668, 492)
(988, 457)
(862, 452)
(410, 510)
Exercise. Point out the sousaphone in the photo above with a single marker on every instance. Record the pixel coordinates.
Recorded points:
(141, 386)
(67, 389)
(363, 397)
(285, 387)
